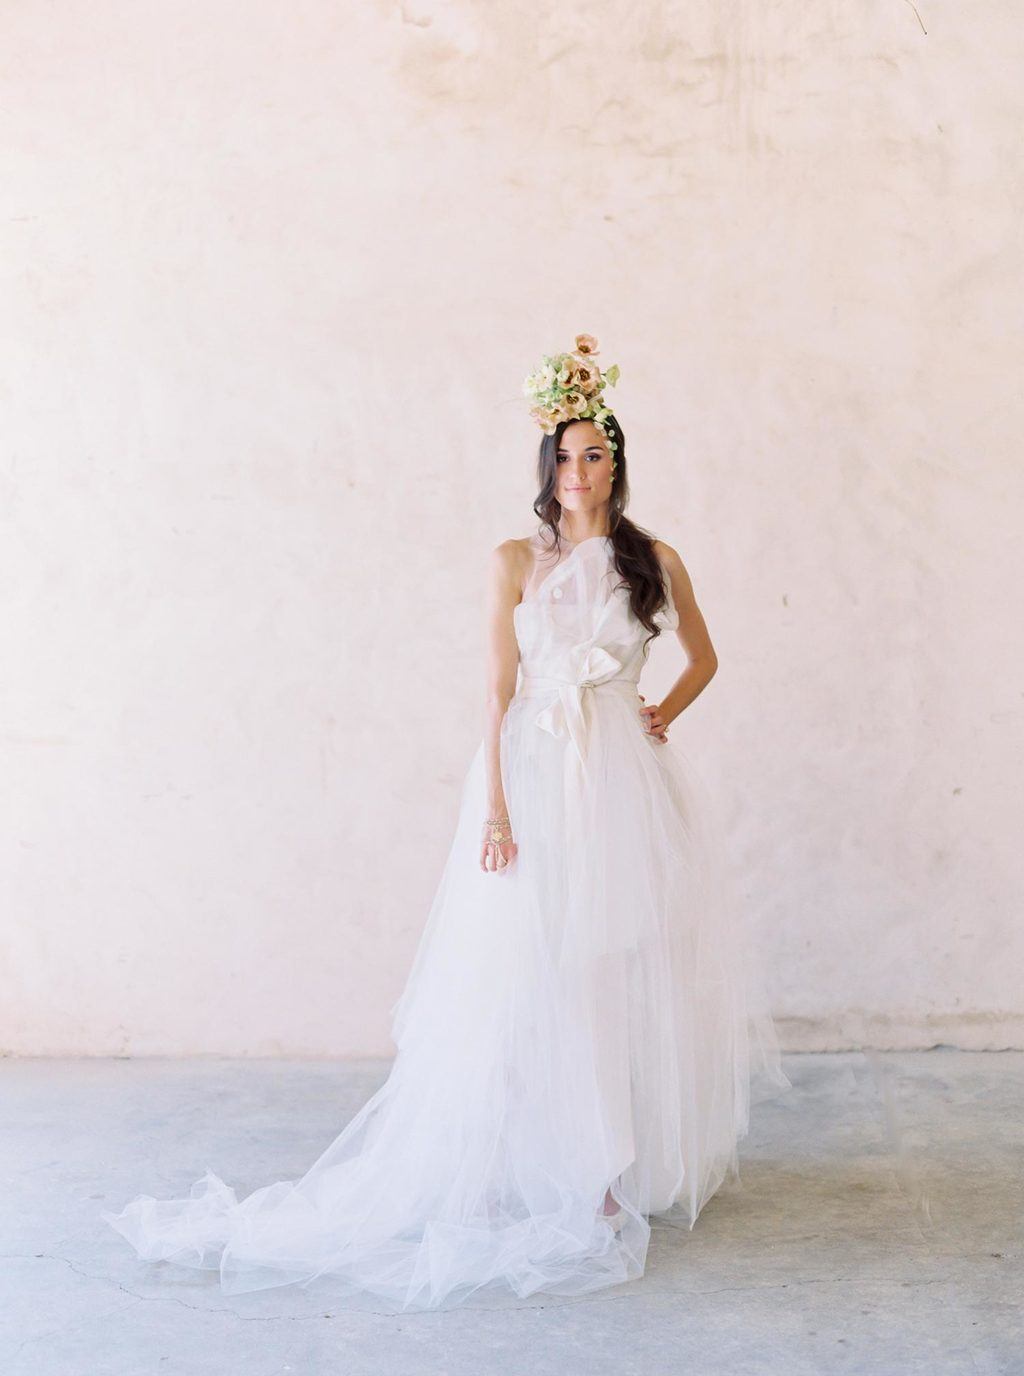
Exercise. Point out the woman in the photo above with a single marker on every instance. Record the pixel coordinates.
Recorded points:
(575, 1043)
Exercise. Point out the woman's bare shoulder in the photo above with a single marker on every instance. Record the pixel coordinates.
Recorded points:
(676, 572)
(668, 557)
(516, 545)
(512, 559)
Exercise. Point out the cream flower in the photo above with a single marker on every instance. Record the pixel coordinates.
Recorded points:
(588, 378)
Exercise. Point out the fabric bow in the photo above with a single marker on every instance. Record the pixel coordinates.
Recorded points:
(567, 712)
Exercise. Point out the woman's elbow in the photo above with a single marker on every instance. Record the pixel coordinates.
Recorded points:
(497, 699)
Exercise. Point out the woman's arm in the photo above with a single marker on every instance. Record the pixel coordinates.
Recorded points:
(504, 581)
(692, 634)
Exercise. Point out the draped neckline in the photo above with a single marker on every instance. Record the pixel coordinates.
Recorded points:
(535, 593)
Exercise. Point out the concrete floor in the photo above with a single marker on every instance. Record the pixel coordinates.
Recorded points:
(878, 1229)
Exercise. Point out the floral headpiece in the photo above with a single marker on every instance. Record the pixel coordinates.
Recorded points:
(570, 386)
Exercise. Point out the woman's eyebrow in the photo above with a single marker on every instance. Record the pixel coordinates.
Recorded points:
(589, 447)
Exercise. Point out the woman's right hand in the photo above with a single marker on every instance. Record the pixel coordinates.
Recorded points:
(497, 848)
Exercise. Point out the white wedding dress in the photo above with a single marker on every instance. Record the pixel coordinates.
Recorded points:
(585, 1019)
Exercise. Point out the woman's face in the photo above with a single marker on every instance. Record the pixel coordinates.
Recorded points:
(583, 467)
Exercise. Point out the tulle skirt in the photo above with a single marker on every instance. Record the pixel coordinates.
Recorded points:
(587, 1020)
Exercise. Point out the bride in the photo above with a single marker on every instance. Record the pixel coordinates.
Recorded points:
(580, 1027)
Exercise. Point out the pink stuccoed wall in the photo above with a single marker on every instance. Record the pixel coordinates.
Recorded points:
(272, 276)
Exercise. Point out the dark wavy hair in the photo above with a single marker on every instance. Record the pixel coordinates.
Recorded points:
(635, 559)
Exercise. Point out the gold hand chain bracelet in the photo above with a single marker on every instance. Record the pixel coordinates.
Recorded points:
(497, 826)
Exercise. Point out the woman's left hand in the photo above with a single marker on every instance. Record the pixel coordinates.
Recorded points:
(653, 722)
